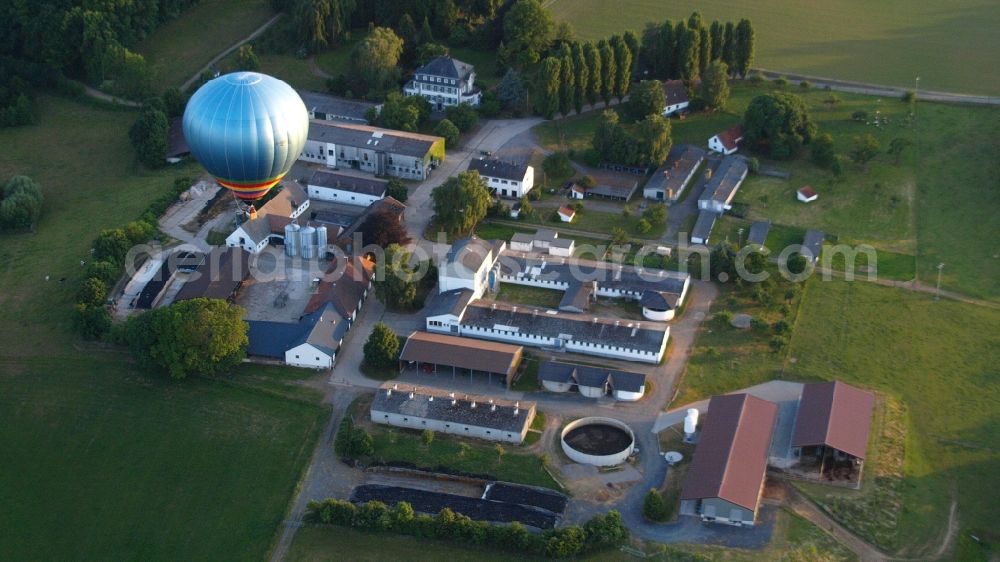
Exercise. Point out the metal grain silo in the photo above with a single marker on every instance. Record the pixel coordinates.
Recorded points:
(291, 240)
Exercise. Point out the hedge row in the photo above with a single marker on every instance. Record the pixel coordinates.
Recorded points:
(93, 319)
(599, 533)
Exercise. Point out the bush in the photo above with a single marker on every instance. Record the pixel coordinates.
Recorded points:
(643, 226)
(463, 115)
(449, 131)
(21, 204)
(653, 507)
(753, 165)
(92, 292)
(723, 317)
(805, 85)
(781, 327)
(558, 165)
(352, 442)
(909, 96)
(91, 321)
(600, 532)
(781, 82)
(489, 105)
(382, 347)
(777, 343)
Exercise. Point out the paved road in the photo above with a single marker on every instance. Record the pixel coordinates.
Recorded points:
(879, 90)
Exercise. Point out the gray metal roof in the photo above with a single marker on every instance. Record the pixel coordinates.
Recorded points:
(470, 252)
(813, 242)
(726, 179)
(577, 297)
(449, 302)
(658, 300)
(372, 138)
(758, 232)
(335, 107)
(673, 175)
(499, 168)
(366, 186)
(703, 226)
(643, 336)
(674, 91)
(323, 329)
(502, 415)
(608, 276)
(594, 377)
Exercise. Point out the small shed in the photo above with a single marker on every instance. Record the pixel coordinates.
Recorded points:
(806, 194)
(566, 214)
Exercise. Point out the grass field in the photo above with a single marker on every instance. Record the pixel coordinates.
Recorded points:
(939, 358)
(103, 462)
(531, 296)
(401, 445)
(90, 181)
(178, 49)
(889, 42)
(936, 205)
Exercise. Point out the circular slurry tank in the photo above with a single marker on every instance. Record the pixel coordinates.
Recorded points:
(598, 441)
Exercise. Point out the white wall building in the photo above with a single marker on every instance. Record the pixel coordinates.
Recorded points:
(444, 82)
(372, 149)
(506, 179)
(492, 419)
(467, 265)
(727, 142)
(340, 188)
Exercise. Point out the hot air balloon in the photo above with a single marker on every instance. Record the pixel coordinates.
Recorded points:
(246, 129)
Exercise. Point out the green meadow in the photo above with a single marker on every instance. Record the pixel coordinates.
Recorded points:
(951, 46)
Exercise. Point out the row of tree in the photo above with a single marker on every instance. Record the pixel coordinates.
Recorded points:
(683, 50)
(600, 532)
(584, 73)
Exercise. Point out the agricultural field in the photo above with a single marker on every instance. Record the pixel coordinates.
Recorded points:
(930, 207)
(180, 48)
(889, 42)
(942, 369)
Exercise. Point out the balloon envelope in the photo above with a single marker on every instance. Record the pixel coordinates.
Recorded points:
(246, 129)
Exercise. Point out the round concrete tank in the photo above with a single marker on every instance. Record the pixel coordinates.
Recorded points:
(291, 240)
(598, 441)
(307, 239)
(321, 241)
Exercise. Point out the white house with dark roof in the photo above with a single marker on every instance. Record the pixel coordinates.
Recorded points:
(507, 179)
(676, 97)
(444, 82)
(341, 188)
(312, 342)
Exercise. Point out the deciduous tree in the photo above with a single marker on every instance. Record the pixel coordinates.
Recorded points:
(149, 136)
(460, 202)
(647, 99)
(527, 31)
(383, 228)
(715, 85)
(382, 348)
(777, 124)
(198, 336)
(445, 128)
(592, 60)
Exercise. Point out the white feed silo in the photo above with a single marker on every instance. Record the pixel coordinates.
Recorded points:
(291, 240)
(321, 241)
(690, 423)
(307, 241)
